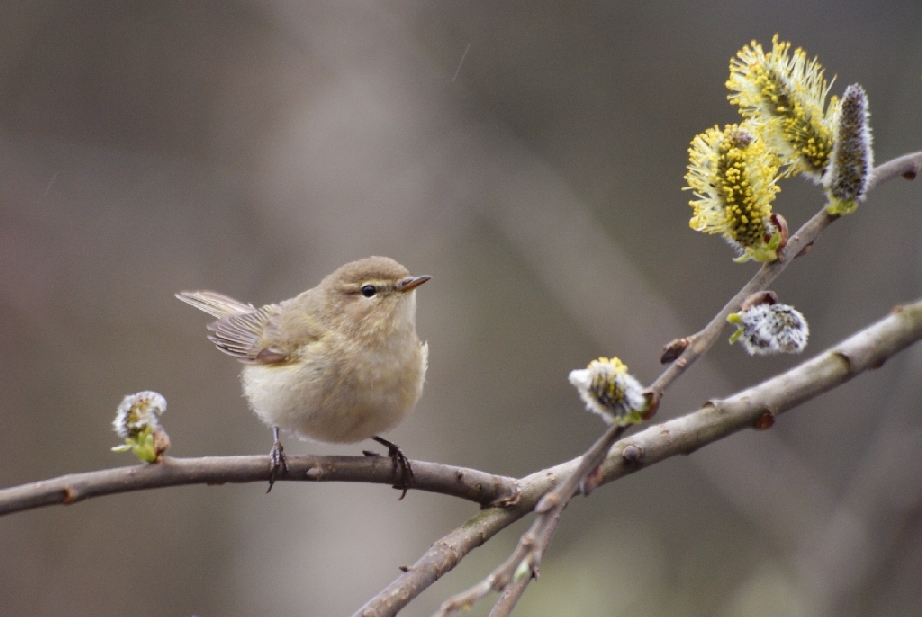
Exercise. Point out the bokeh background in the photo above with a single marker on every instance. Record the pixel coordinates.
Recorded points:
(527, 155)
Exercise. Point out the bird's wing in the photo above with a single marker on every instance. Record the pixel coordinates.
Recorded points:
(249, 336)
(214, 303)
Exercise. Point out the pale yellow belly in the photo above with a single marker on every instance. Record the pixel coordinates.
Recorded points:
(334, 404)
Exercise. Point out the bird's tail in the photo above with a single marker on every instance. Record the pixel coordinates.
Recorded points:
(214, 303)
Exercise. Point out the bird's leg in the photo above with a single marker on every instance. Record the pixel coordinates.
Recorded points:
(277, 459)
(401, 466)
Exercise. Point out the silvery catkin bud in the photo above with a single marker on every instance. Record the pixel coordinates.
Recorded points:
(608, 390)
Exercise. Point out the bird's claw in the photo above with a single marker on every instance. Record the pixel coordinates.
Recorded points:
(277, 460)
(402, 468)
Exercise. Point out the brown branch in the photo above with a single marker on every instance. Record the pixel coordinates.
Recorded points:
(550, 508)
(906, 166)
(507, 572)
(509, 598)
(530, 549)
(441, 558)
(865, 350)
(483, 488)
(702, 340)
(507, 499)
(533, 543)
(451, 549)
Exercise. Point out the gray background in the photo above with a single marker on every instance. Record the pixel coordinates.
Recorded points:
(252, 147)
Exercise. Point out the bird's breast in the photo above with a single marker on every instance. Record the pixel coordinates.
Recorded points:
(340, 390)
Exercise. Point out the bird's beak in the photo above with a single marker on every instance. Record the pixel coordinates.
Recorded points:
(411, 282)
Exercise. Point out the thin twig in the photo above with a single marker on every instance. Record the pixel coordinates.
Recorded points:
(529, 551)
(451, 549)
(550, 508)
(441, 558)
(499, 579)
(508, 599)
(865, 350)
(511, 500)
(907, 166)
(539, 536)
(552, 505)
(701, 341)
(483, 488)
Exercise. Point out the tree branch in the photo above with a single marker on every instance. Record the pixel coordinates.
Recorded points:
(507, 500)
(477, 486)
(447, 552)
(551, 507)
(531, 545)
(752, 407)
(906, 166)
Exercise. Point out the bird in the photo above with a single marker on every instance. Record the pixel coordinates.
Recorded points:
(339, 363)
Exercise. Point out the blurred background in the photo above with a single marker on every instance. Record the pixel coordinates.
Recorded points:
(530, 157)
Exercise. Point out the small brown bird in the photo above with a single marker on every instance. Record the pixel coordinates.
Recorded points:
(339, 363)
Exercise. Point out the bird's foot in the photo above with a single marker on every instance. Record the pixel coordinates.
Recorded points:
(277, 460)
(402, 468)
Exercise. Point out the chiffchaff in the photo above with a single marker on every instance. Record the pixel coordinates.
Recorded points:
(339, 363)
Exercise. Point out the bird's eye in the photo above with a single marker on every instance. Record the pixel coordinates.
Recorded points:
(369, 290)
